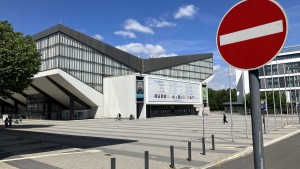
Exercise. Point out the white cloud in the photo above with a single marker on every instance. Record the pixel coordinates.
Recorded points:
(131, 24)
(97, 36)
(145, 50)
(217, 67)
(188, 11)
(125, 34)
(152, 22)
(167, 55)
(221, 80)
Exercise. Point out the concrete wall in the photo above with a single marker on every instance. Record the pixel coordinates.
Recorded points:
(119, 96)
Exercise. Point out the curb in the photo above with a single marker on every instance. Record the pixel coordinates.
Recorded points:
(247, 151)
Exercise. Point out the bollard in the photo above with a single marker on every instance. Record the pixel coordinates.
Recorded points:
(113, 163)
(172, 157)
(146, 160)
(203, 146)
(189, 151)
(213, 142)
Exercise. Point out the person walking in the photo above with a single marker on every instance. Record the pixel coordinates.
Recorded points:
(6, 122)
(9, 122)
(224, 119)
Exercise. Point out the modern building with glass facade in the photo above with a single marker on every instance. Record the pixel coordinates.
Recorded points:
(280, 75)
(70, 84)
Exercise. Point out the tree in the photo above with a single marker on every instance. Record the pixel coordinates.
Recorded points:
(216, 98)
(270, 100)
(19, 60)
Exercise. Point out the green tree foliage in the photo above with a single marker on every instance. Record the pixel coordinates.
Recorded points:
(216, 98)
(19, 60)
(270, 100)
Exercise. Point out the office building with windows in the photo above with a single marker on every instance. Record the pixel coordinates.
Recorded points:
(81, 77)
(282, 75)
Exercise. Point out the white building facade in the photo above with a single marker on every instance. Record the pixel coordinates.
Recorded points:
(281, 75)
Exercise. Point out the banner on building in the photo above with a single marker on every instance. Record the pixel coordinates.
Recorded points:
(204, 93)
(140, 89)
(165, 90)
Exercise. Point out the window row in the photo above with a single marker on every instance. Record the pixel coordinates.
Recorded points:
(86, 77)
(49, 64)
(192, 68)
(50, 52)
(205, 62)
(283, 57)
(287, 82)
(203, 77)
(285, 68)
(91, 56)
(185, 75)
(64, 39)
(182, 72)
(77, 53)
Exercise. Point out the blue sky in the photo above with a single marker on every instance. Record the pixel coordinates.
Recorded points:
(157, 28)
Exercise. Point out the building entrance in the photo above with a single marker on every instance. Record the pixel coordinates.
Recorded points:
(170, 110)
(40, 107)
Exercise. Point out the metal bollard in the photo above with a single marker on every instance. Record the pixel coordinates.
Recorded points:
(146, 160)
(203, 146)
(189, 151)
(213, 142)
(172, 157)
(113, 163)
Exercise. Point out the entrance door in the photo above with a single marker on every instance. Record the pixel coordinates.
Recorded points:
(139, 107)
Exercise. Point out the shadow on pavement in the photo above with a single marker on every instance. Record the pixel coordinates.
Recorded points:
(25, 142)
(29, 126)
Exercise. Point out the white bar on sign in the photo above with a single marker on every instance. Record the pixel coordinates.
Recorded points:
(251, 33)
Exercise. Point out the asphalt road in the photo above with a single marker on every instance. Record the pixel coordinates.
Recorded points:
(281, 155)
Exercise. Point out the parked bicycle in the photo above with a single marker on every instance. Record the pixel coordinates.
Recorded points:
(131, 117)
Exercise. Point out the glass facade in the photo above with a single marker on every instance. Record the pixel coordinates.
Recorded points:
(194, 71)
(285, 74)
(91, 66)
(41, 107)
(79, 60)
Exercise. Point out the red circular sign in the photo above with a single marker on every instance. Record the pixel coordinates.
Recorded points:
(252, 33)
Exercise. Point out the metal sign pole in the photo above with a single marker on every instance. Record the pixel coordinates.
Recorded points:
(203, 136)
(298, 94)
(245, 103)
(266, 99)
(258, 148)
(230, 105)
(286, 97)
(274, 104)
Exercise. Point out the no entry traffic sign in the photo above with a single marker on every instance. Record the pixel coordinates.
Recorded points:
(252, 33)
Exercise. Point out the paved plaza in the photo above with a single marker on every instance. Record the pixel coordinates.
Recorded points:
(92, 143)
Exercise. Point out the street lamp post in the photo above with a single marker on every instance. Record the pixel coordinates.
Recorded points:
(295, 92)
(296, 88)
(230, 105)
(274, 106)
(298, 94)
(245, 104)
(266, 99)
(291, 97)
(286, 102)
(279, 94)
